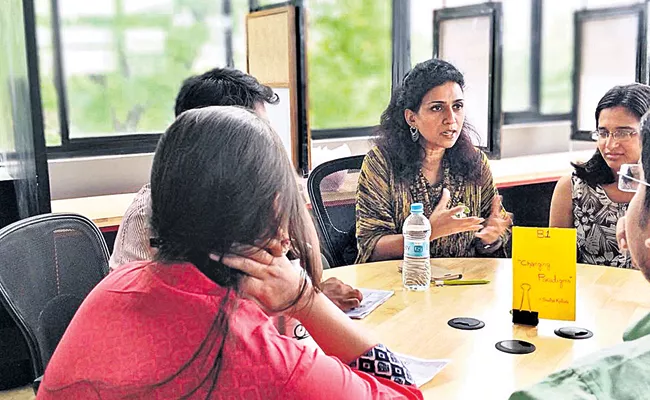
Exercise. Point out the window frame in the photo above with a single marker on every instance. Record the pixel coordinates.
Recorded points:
(305, 136)
(254, 5)
(400, 35)
(495, 12)
(35, 200)
(130, 143)
(534, 114)
(581, 16)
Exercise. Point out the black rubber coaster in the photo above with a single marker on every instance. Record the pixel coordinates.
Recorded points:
(572, 332)
(466, 324)
(515, 347)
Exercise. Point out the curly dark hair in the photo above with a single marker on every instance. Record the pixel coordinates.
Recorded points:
(636, 99)
(393, 136)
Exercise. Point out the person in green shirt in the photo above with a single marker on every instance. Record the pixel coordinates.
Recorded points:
(623, 371)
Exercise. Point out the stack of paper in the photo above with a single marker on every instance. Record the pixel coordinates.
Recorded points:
(422, 370)
(371, 299)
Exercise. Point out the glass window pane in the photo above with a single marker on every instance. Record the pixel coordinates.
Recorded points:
(596, 76)
(557, 55)
(516, 45)
(516, 55)
(124, 61)
(422, 29)
(49, 99)
(239, 10)
(465, 42)
(349, 62)
(14, 107)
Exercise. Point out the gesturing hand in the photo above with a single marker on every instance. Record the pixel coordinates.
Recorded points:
(496, 224)
(344, 296)
(273, 282)
(444, 222)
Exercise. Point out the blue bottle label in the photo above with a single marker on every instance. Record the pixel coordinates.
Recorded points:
(416, 248)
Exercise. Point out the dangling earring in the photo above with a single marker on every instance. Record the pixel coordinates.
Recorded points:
(415, 134)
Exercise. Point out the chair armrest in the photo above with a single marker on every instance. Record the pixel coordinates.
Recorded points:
(325, 261)
(36, 384)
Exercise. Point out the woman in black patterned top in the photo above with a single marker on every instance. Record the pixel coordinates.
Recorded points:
(589, 200)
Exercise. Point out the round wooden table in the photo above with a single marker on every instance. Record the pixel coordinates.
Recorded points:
(415, 323)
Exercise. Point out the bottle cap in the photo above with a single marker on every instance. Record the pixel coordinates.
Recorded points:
(417, 208)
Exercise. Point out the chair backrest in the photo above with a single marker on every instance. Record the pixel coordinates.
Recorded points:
(49, 265)
(332, 191)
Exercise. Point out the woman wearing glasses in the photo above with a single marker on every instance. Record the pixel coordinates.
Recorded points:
(590, 199)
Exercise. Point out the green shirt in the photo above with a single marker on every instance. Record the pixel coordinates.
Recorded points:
(621, 372)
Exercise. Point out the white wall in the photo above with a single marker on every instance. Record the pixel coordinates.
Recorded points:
(528, 139)
(125, 174)
(81, 177)
(516, 140)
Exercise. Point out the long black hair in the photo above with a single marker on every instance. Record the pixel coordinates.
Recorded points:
(394, 139)
(636, 99)
(220, 177)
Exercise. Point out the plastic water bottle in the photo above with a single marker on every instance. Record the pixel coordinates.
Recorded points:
(416, 268)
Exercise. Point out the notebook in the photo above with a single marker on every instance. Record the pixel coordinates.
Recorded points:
(372, 299)
(439, 274)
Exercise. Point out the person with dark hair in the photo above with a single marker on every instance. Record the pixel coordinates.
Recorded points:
(589, 200)
(217, 87)
(424, 154)
(194, 322)
(224, 87)
(623, 371)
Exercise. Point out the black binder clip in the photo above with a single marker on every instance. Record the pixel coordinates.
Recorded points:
(525, 317)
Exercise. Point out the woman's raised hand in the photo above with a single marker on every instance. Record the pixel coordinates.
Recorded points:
(444, 221)
(497, 224)
(271, 280)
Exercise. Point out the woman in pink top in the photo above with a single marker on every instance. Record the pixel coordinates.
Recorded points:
(195, 322)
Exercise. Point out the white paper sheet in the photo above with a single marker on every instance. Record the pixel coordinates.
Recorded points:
(372, 299)
(422, 370)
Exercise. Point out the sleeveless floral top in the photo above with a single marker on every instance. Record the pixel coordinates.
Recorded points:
(595, 217)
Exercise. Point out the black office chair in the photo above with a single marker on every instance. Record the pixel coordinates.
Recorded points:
(332, 187)
(49, 265)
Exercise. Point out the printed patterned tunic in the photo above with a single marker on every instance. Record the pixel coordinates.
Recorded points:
(383, 203)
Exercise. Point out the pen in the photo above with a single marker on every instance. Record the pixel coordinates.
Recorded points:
(461, 282)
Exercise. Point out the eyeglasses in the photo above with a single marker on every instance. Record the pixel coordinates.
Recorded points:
(621, 134)
(630, 176)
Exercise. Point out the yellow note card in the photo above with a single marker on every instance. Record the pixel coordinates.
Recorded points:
(544, 271)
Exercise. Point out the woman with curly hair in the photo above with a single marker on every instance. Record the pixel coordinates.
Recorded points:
(424, 154)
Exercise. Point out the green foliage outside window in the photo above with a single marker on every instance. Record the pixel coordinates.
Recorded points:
(349, 62)
(137, 96)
